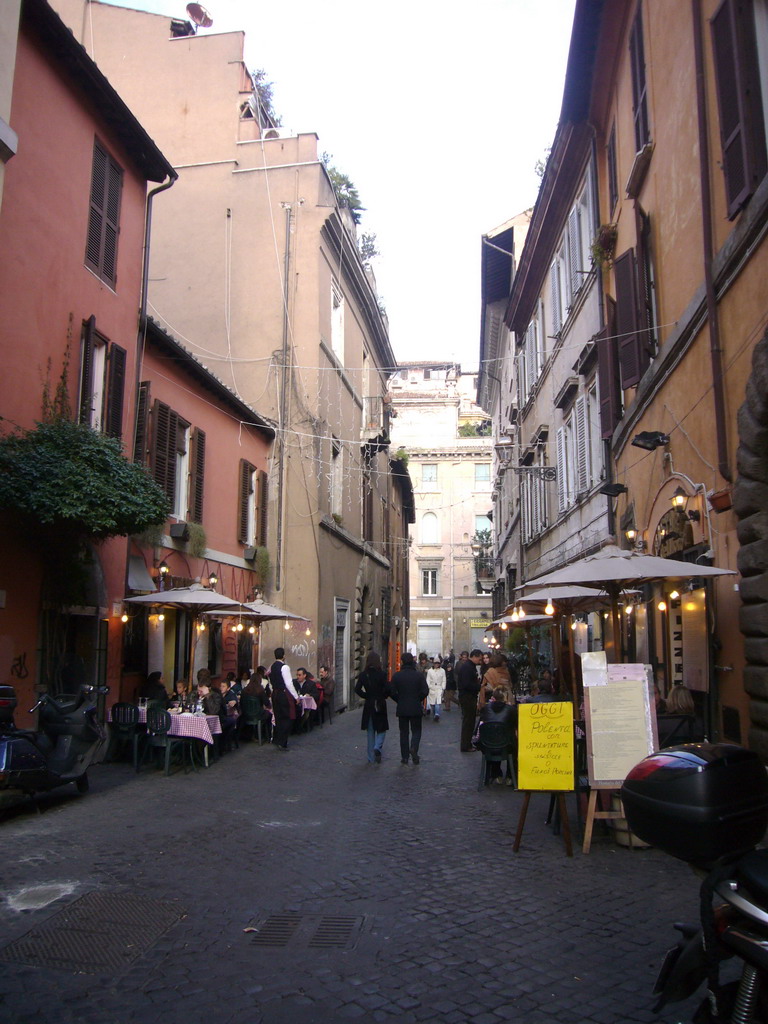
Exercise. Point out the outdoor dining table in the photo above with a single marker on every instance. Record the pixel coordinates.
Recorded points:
(194, 726)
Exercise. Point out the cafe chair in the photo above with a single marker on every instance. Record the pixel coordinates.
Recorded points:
(496, 745)
(157, 738)
(124, 730)
(252, 712)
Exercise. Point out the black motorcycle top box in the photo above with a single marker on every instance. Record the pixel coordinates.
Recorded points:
(699, 802)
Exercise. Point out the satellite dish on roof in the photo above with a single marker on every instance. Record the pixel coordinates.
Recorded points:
(199, 15)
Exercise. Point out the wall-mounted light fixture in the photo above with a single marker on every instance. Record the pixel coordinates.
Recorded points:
(631, 533)
(213, 579)
(650, 440)
(163, 569)
(679, 498)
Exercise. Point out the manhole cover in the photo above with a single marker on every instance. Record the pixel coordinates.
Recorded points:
(95, 934)
(308, 930)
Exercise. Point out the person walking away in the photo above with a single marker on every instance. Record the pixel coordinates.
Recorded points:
(450, 684)
(409, 689)
(468, 683)
(373, 687)
(283, 691)
(436, 684)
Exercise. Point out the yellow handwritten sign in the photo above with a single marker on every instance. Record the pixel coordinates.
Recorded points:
(545, 742)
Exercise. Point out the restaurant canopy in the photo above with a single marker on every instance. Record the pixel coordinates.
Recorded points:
(613, 569)
(195, 599)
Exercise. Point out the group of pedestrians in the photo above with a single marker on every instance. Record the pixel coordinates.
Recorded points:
(418, 688)
(409, 689)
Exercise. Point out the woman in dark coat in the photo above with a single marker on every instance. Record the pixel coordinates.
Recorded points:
(373, 687)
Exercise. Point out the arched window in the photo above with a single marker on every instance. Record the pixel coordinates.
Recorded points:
(429, 531)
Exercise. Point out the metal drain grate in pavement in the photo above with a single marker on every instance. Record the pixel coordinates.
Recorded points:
(97, 933)
(277, 930)
(335, 932)
(309, 930)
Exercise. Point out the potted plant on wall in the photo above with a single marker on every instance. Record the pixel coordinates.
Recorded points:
(604, 245)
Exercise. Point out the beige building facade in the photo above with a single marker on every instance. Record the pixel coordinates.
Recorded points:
(256, 269)
(451, 565)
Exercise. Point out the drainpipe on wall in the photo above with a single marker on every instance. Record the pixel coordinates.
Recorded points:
(144, 284)
(283, 419)
(142, 332)
(716, 352)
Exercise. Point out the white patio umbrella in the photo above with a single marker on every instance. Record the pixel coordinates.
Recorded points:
(269, 611)
(256, 612)
(613, 569)
(196, 599)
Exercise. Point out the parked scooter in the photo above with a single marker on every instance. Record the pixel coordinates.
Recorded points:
(68, 738)
(707, 804)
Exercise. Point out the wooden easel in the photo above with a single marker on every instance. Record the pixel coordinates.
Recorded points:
(593, 813)
(560, 795)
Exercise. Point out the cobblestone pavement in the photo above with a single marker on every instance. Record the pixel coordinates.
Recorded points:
(378, 893)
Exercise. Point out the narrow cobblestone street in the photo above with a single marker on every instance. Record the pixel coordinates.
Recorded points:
(378, 893)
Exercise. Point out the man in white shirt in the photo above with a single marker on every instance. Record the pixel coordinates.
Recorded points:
(282, 686)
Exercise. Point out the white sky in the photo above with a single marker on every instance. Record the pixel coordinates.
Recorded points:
(437, 112)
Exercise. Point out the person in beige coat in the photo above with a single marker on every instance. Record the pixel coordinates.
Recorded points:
(436, 684)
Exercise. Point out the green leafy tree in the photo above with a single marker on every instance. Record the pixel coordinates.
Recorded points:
(346, 193)
(369, 250)
(65, 488)
(68, 479)
(263, 90)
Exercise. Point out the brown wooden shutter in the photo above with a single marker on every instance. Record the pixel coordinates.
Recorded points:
(245, 498)
(104, 215)
(86, 370)
(261, 508)
(96, 214)
(164, 442)
(142, 424)
(742, 132)
(197, 462)
(632, 362)
(113, 419)
(608, 382)
(111, 226)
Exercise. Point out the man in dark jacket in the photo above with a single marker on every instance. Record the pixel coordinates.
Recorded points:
(468, 682)
(409, 689)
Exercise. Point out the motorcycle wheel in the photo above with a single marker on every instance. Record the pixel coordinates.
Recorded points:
(82, 783)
